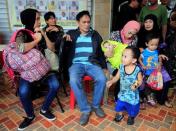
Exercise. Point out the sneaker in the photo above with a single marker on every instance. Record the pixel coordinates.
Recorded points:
(99, 112)
(84, 118)
(48, 115)
(130, 120)
(118, 117)
(26, 122)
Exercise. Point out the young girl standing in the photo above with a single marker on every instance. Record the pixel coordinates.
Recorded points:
(130, 79)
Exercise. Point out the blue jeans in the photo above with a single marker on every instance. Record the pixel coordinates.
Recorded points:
(25, 94)
(76, 73)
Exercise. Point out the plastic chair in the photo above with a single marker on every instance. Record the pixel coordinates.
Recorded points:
(86, 80)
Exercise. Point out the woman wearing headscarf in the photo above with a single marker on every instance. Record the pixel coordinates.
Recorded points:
(128, 33)
(30, 18)
(126, 36)
(150, 26)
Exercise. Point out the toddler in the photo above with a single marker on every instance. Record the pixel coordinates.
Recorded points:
(130, 79)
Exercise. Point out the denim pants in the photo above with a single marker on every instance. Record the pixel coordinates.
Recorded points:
(25, 94)
(76, 73)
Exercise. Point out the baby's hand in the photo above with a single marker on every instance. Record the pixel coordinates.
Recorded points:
(109, 53)
(134, 86)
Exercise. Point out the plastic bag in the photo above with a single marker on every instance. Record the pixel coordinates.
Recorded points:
(155, 80)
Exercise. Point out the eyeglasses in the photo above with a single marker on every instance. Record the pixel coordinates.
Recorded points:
(131, 33)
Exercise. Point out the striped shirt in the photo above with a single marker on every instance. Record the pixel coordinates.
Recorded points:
(83, 49)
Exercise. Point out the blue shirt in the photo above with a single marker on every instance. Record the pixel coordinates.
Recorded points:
(83, 49)
(126, 94)
(150, 59)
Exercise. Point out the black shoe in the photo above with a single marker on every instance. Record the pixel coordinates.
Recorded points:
(99, 112)
(84, 119)
(26, 122)
(118, 118)
(130, 120)
(48, 115)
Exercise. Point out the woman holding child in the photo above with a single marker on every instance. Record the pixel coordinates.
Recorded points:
(149, 27)
(127, 37)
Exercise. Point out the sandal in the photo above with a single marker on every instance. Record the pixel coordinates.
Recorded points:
(118, 118)
(151, 102)
(168, 104)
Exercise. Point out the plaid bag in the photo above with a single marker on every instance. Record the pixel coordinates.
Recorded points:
(31, 65)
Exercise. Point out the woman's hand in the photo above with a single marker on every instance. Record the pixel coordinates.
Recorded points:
(37, 36)
(163, 57)
(39, 30)
(52, 28)
(67, 37)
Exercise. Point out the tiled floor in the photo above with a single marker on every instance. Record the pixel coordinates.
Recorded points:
(158, 118)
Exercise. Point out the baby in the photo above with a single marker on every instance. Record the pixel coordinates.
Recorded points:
(113, 52)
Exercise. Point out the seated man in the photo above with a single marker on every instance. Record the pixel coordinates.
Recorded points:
(53, 31)
(86, 58)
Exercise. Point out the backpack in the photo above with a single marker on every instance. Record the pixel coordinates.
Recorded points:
(31, 65)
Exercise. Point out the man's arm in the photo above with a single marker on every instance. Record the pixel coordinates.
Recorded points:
(100, 52)
(113, 80)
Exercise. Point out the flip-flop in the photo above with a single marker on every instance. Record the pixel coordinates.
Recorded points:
(168, 104)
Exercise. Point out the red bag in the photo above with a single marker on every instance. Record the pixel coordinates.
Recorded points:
(155, 80)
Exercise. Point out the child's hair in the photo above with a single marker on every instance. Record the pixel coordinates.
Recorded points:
(135, 51)
(151, 36)
(23, 37)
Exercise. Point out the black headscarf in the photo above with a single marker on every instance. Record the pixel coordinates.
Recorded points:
(155, 24)
(143, 32)
(28, 17)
